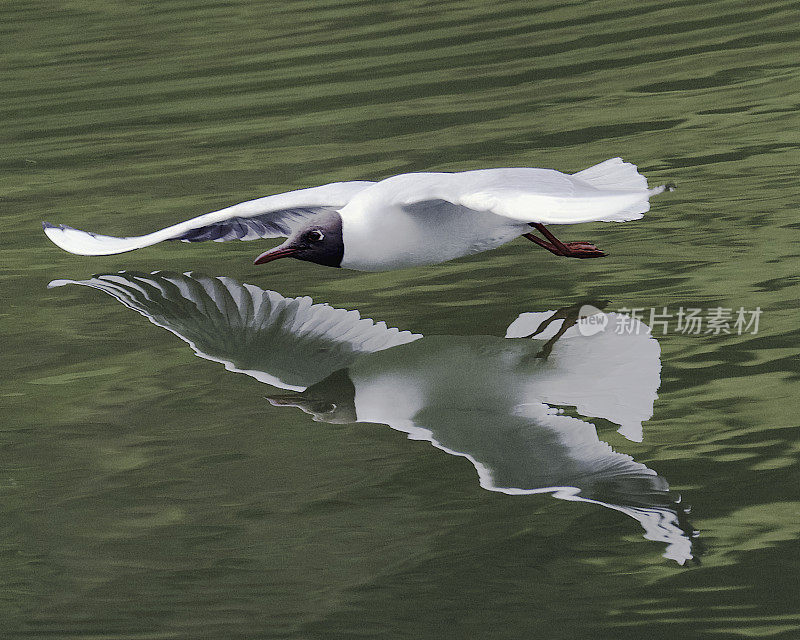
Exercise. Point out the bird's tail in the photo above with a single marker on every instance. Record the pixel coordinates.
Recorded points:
(616, 174)
(623, 178)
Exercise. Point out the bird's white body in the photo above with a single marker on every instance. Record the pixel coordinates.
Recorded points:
(411, 219)
(423, 218)
(390, 237)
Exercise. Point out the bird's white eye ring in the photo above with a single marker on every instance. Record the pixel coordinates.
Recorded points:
(315, 235)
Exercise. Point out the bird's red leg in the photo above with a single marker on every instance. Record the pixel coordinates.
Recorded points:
(541, 243)
(568, 249)
(546, 233)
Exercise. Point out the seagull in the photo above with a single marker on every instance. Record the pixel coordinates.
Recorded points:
(410, 219)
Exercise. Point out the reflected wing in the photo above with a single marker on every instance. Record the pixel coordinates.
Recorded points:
(537, 450)
(289, 343)
(612, 191)
(269, 217)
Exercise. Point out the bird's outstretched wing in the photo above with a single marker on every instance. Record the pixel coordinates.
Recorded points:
(270, 217)
(289, 343)
(537, 450)
(612, 191)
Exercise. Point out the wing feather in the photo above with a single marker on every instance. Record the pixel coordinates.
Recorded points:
(290, 343)
(269, 217)
(612, 191)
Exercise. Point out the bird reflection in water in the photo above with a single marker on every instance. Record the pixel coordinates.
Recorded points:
(499, 402)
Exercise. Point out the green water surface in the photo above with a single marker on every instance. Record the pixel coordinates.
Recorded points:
(147, 493)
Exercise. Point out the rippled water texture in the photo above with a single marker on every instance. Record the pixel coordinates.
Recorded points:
(149, 493)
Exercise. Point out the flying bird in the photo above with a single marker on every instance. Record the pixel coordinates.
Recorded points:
(410, 219)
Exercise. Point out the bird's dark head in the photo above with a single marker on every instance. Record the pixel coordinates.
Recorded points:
(319, 240)
(330, 400)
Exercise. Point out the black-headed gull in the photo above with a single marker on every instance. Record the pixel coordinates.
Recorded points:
(408, 220)
(494, 401)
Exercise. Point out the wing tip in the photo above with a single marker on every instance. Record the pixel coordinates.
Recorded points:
(53, 284)
(669, 187)
(49, 226)
(56, 234)
(86, 243)
(52, 231)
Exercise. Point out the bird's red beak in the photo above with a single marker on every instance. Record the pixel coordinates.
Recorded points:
(274, 254)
